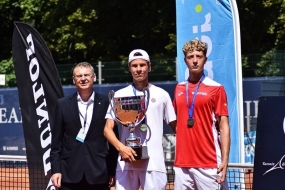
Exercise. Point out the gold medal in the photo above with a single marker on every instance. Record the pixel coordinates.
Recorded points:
(143, 127)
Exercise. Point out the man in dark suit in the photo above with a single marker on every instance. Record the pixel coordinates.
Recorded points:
(81, 158)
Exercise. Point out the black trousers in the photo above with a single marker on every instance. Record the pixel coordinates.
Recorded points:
(84, 185)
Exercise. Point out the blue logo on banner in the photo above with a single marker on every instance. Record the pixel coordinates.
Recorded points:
(249, 145)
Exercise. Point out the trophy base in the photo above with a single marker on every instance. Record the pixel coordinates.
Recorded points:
(141, 153)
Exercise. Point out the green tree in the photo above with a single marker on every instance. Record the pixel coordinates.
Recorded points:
(267, 67)
(8, 14)
(96, 30)
(103, 30)
(257, 21)
(7, 68)
(263, 33)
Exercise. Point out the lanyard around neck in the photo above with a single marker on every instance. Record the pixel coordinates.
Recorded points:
(191, 109)
(135, 93)
(85, 117)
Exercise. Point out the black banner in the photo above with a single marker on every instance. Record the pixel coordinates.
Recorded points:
(39, 88)
(269, 161)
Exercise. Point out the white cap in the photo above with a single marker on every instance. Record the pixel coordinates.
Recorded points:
(138, 54)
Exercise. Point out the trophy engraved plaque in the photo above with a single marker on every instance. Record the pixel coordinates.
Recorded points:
(130, 112)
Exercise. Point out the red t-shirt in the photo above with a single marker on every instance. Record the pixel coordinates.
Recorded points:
(199, 146)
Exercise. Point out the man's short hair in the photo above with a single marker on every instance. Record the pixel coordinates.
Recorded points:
(83, 64)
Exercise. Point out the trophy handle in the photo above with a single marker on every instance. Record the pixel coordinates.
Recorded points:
(111, 97)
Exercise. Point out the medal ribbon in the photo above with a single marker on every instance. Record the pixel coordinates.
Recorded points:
(191, 109)
(84, 117)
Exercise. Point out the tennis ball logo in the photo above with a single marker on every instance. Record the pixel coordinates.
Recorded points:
(198, 8)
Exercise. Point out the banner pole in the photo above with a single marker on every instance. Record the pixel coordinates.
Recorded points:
(239, 78)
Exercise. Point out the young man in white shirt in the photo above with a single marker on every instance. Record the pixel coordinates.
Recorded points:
(148, 173)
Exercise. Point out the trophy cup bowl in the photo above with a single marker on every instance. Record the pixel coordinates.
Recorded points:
(130, 112)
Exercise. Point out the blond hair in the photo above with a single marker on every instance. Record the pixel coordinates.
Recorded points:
(193, 45)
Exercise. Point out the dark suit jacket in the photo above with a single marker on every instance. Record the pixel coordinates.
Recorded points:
(95, 157)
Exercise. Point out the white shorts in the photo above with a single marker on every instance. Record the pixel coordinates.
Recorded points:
(132, 180)
(197, 179)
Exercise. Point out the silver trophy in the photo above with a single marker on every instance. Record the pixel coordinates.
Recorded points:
(130, 112)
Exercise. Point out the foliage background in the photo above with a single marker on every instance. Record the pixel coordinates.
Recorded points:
(95, 30)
